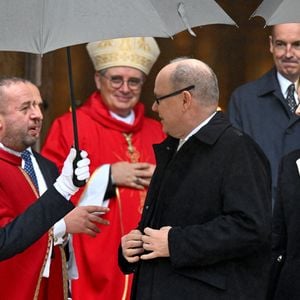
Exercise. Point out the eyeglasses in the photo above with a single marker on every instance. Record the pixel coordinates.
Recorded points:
(190, 87)
(117, 81)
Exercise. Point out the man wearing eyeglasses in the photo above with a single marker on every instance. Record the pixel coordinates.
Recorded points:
(119, 138)
(206, 224)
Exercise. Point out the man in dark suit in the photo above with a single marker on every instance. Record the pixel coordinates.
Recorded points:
(28, 227)
(285, 280)
(206, 224)
(260, 108)
(40, 270)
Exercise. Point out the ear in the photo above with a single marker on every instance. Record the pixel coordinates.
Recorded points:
(186, 100)
(271, 44)
(97, 77)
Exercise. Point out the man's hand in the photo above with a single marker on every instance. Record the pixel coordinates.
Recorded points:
(82, 219)
(64, 182)
(134, 175)
(132, 246)
(156, 242)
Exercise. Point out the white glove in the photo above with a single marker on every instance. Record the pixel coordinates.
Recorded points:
(64, 183)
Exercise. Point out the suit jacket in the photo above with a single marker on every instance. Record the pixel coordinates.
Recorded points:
(33, 223)
(286, 230)
(17, 194)
(215, 192)
(259, 109)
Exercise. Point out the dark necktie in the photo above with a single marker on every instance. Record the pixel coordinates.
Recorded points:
(291, 98)
(28, 167)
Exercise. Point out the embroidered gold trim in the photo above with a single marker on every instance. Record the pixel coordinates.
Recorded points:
(126, 277)
(37, 289)
(125, 287)
(30, 182)
(64, 272)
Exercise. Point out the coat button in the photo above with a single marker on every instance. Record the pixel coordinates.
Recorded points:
(147, 207)
(279, 258)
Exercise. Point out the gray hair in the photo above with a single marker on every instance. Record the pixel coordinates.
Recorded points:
(202, 76)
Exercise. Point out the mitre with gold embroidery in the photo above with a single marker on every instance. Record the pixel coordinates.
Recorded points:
(136, 52)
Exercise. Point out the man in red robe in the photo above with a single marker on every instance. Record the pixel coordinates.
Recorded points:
(25, 276)
(119, 138)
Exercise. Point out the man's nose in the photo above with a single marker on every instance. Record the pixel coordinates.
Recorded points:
(36, 113)
(124, 87)
(289, 51)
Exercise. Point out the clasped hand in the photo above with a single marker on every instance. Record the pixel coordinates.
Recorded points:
(152, 244)
(134, 175)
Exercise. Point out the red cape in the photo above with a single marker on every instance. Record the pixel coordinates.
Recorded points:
(19, 275)
(102, 137)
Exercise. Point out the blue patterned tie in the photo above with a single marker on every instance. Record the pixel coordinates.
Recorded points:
(28, 167)
(291, 98)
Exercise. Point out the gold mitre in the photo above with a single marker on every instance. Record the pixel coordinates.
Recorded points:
(136, 52)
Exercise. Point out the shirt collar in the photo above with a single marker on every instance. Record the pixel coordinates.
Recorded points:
(285, 83)
(128, 120)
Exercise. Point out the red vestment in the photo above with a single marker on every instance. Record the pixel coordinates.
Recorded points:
(20, 276)
(107, 141)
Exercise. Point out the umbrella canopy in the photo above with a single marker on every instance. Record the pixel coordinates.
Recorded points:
(279, 11)
(40, 26)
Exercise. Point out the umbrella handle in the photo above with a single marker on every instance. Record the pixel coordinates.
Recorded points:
(77, 182)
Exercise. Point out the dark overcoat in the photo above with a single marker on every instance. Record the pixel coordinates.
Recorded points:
(259, 109)
(215, 192)
(286, 231)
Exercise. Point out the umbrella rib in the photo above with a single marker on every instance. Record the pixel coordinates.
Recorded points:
(182, 14)
(260, 11)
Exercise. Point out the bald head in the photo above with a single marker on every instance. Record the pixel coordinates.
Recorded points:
(183, 72)
(187, 94)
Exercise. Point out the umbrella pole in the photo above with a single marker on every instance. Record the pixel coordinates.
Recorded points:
(76, 182)
(73, 104)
